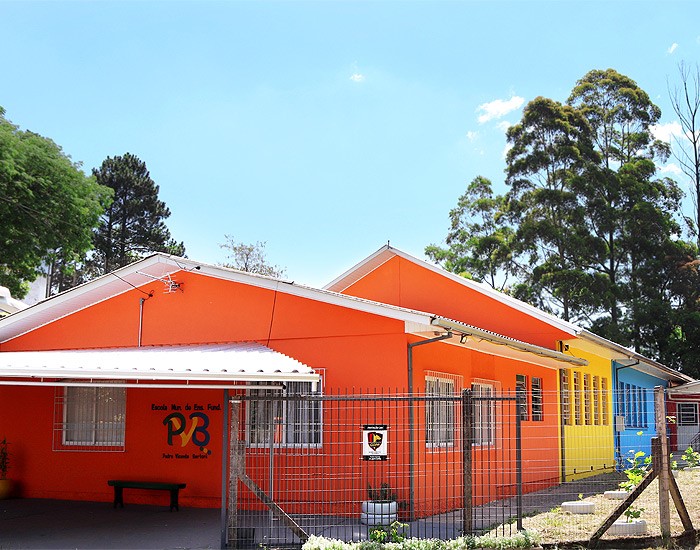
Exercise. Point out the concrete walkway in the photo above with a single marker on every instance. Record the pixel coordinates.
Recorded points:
(54, 524)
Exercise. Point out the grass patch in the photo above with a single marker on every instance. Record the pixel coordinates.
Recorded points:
(556, 527)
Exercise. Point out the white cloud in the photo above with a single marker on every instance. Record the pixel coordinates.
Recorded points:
(504, 125)
(665, 132)
(356, 75)
(672, 169)
(498, 108)
(471, 136)
(672, 48)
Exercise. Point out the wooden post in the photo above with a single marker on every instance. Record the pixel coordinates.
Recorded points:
(662, 464)
(620, 508)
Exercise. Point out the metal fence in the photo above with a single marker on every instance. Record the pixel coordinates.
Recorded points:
(442, 464)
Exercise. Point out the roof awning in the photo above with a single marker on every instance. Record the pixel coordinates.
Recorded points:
(154, 366)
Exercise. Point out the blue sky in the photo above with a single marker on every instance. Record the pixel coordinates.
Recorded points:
(326, 128)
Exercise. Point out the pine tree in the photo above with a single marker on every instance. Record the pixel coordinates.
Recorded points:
(134, 224)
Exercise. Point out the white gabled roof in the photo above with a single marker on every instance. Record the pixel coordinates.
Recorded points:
(238, 362)
(386, 252)
(165, 267)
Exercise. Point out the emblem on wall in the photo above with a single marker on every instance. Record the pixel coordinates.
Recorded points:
(374, 442)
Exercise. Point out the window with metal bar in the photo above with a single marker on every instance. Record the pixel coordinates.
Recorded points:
(276, 417)
(536, 390)
(587, 398)
(440, 413)
(90, 418)
(484, 413)
(577, 398)
(687, 414)
(596, 400)
(521, 389)
(565, 397)
(604, 400)
(633, 404)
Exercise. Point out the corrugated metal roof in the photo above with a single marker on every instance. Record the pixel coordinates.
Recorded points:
(239, 362)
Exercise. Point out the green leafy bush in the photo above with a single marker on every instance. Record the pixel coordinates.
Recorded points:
(691, 457)
(523, 539)
(637, 466)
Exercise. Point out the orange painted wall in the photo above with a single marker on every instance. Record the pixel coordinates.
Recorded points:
(356, 351)
(26, 415)
(347, 345)
(404, 283)
(540, 445)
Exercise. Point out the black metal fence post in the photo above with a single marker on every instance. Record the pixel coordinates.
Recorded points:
(467, 442)
(520, 399)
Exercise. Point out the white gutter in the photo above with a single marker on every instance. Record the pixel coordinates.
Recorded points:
(103, 384)
(469, 330)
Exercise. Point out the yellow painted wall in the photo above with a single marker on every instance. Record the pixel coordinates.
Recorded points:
(588, 447)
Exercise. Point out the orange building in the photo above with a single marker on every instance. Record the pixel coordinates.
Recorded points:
(131, 376)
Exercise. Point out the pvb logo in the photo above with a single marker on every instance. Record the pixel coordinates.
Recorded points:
(196, 431)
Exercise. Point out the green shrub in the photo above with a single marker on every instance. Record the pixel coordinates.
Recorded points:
(691, 457)
(524, 539)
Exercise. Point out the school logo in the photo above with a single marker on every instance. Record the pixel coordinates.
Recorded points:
(194, 430)
(374, 440)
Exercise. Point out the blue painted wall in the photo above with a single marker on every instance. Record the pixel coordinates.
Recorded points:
(634, 399)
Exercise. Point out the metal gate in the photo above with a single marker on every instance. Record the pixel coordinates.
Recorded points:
(440, 464)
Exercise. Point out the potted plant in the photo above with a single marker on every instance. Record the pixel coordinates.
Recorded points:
(580, 506)
(638, 466)
(631, 525)
(381, 508)
(5, 484)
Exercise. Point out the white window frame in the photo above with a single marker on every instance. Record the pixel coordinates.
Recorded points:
(565, 397)
(578, 413)
(294, 420)
(687, 414)
(86, 414)
(633, 405)
(604, 400)
(537, 399)
(440, 414)
(521, 388)
(484, 431)
(587, 399)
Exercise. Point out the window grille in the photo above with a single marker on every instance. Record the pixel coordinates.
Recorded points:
(577, 397)
(587, 398)
(565, 398)
(89, 418)
(287, 422)
(596, 400)
(521, 389)
(604, 400)
(440, 414)
(633, 404)
(484, 414)
(687, 414)
(537, 399)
